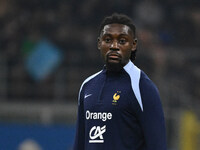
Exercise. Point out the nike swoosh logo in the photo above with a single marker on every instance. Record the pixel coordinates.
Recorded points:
(87, 95)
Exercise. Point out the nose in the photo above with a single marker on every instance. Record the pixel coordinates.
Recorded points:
(114, 46)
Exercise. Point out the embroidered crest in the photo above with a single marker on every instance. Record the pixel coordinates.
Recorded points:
(116, 97)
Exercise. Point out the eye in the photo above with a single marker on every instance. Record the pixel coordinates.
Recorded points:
(107, 40)
(122, 41)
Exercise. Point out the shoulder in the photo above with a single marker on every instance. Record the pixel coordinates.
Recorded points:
(143, 88)
(84, 83)
(149, 94)
(135, 74)
(147, 84)
(89, 79)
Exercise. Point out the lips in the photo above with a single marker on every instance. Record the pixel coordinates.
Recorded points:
(114, 55)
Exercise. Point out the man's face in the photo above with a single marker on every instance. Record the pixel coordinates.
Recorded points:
(116, 43)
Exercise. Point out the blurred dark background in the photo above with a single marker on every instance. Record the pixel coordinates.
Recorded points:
(48, 48)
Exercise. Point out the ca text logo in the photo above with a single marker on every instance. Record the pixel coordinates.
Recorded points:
(96, 134)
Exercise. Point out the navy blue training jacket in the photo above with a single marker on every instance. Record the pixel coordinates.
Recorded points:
(120, 111)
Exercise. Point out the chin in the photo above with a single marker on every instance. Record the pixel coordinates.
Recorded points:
(110, 61)
(113, 62)
(114, 65)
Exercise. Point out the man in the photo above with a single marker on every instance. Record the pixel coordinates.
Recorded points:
(119, 107)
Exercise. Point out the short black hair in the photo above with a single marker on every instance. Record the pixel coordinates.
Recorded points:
(120, 19)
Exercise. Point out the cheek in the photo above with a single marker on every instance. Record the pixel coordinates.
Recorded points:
(126, 55)
(126, 52)
(103, 53)
(104, 49)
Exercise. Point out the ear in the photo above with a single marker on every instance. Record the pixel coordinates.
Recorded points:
(98, 43)
(134, 44)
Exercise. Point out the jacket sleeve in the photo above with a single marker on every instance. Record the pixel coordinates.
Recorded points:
(152, 117)
(80, 126)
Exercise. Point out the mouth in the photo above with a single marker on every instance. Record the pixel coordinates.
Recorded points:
(114, 56)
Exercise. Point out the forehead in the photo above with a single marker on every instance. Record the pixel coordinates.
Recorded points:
(116, 29)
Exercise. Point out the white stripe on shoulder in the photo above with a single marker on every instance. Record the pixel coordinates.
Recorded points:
(134, 73)
(86, 80)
